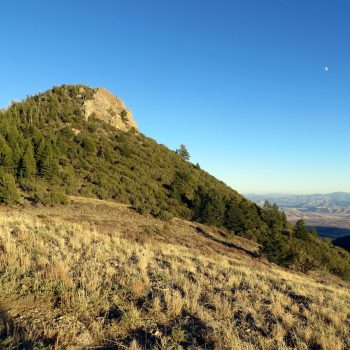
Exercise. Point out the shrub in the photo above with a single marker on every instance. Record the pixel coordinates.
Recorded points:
(53, 198)
(123, 115)
(88, 145)
(165, 215)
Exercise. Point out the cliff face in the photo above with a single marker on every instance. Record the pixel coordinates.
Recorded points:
(109, 108)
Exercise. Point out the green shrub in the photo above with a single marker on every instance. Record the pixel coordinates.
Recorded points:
(165, 215)
(123, 115)
(53, 198)
(88, 145)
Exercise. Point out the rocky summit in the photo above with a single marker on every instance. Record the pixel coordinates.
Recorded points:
(109, 108)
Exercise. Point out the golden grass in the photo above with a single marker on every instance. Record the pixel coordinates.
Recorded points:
(65, 284)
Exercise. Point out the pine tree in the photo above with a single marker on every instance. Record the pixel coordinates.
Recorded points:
(234, 219)
(284, 220)
(6, 161)
(209, 207)
(40, 147)
(49, 164)
(27, 165)
(300, 231)
(183, 152)
(8, 191)
(13, 139)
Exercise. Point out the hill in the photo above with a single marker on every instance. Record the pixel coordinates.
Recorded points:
(74, 140)
(97, 275)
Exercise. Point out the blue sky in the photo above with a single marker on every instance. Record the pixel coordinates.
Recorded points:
(241, 83)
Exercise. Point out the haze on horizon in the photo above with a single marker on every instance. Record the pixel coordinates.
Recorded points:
(257, 91)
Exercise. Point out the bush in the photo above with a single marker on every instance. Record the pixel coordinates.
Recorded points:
(8, 191)
(165, 215)
(88, 145)
(123, 115)
(53, 198)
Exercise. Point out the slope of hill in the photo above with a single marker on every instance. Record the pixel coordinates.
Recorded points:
(61, 142)
(95, 274)
(79, 141)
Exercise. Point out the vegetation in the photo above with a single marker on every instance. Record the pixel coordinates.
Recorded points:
(183, 152)
(8, 190)
(50, 151)
(133, 282)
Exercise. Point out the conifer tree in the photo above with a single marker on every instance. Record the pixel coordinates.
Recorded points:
(40, 149)
(8, 191)
(13, 139)
(300, 231)
(6, 161)
(49, 164)
(27, 165)
(183, 152)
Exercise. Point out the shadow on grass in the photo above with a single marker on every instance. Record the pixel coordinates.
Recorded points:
(226, 244)
(13, 336)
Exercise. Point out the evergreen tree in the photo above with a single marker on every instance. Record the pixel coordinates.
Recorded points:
(8, 191)
(276, 248)
(208, 207)
(49, 164)
(183, 152)
(234, 219)
(40, 147)
(275, 219)
(13, 139)
(284, 220)
(179, 185)
(6, 161)
(27, 165)
(300, 231)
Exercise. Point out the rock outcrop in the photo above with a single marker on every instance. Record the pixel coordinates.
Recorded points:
(110, 109)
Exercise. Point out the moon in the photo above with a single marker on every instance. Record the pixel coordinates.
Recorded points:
(326, 68)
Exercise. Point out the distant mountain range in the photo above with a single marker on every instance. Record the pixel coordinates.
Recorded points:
(337, 202)
(328, 213)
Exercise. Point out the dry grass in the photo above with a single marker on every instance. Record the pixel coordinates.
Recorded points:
(150, 285)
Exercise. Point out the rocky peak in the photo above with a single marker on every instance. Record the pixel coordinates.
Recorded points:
(109, 108)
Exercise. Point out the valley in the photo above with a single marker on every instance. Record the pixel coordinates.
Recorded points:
(330, 213)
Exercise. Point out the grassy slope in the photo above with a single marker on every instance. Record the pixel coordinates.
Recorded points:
(96, 273)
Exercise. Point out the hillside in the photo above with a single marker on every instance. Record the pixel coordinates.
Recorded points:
(74, 140)
(110, 240)
(97, 275)
(65, 141)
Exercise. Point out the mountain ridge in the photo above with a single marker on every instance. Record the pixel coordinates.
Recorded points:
(50, 150)
(109, 239)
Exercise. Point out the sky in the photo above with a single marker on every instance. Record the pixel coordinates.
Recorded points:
(258, 91)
